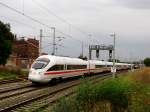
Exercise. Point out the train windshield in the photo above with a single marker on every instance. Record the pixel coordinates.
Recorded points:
(40, 63)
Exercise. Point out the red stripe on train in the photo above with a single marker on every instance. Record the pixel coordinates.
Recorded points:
(68, 71)
(62, 72)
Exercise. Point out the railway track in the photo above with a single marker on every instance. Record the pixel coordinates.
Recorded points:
(16, 92)
(12, 80)
(25, 97)
(8, 104)
(47, 102)
(16, 101)
(12, 87)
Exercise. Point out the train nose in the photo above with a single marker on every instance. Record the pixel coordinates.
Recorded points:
(34, 76)
(37, 76)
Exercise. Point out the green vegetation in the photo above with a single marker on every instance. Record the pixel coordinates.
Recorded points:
(12, 72)
(130, 93)
(7, 75)
(6, 38)
(147, 61)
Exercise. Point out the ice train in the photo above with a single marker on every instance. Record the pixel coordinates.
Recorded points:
(48, 67)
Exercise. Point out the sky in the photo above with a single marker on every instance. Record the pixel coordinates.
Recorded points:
(87, 21)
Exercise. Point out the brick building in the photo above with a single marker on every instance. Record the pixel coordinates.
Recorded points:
(24, 52)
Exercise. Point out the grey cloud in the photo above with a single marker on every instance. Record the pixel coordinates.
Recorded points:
(96, 17)
(137, 4)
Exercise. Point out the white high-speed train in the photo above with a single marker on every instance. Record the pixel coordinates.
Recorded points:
(47, 67)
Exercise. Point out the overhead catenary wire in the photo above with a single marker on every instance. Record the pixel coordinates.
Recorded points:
(41, 23)
(27, 25)
(23, 14)
(50, 12)
(60, 18)
(35, 20)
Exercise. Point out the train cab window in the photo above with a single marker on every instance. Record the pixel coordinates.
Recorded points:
(40, 63)
(56, 68)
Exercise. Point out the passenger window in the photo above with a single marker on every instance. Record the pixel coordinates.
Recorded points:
(109, 65)
(73, 67)
(56, 68)
(99, 66)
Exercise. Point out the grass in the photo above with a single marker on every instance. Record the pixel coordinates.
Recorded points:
(130, 93)
(7, 75)
(11, 72)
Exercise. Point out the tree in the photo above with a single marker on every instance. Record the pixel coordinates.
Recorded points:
(6, 39)
(147, 61)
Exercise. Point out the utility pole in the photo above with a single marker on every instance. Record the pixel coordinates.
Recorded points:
(56, 50)
(40, 43)
(82, 49)
(54, 43)
(114, 41)
(57, 42)
(90, 51)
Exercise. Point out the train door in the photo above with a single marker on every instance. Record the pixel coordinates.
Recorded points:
(88, 67)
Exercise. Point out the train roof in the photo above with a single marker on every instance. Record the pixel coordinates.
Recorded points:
(97, 62)
(109, 63)
(67, 60)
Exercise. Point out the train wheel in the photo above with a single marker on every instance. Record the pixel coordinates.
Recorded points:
(53, 81)
(60, 79)
(56, 80)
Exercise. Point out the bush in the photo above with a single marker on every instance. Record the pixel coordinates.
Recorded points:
(142, 76)
(10, 69)
(131, 93)
(147, 61)
(7, 72)
(6, 75)
(115, 92)
(85, 96)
